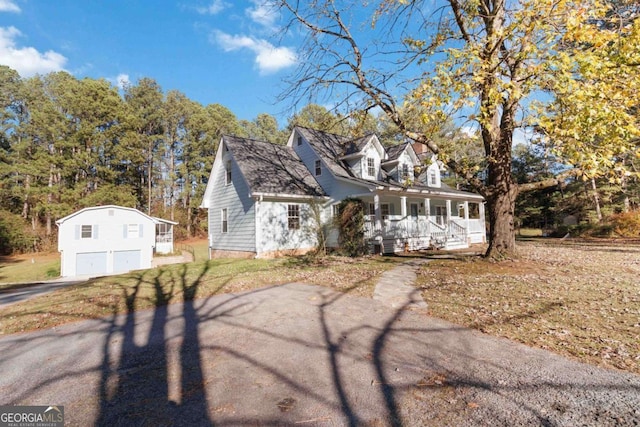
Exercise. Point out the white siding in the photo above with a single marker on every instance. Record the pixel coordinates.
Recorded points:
(275, 234)
(240, 235)
(108, 235)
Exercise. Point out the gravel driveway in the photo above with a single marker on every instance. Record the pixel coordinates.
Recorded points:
(302, 355)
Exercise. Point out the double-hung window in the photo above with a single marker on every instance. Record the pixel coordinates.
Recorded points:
(404, 172)
(85, 231)
(227, 179)
(371, 166)
(224, 220)
(293, 217)
(133, 231)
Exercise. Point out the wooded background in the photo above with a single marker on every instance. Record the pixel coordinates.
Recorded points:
(68, 143)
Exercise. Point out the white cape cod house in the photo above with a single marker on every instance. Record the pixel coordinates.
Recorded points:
(264, 199)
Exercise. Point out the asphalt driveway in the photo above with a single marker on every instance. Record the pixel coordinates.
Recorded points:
(302, 355)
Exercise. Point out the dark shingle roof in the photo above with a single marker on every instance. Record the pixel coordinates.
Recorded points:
(395, 150)
(272, 168)
(330, 148)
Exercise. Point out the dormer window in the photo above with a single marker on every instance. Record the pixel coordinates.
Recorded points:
(318, 167)
(433, 179)
(371, 166)
(299, 141)
(404, 172)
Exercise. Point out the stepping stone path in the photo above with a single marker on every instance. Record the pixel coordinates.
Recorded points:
(395, 287)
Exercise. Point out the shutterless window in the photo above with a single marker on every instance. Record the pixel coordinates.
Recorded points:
(318, 167)
(85, 231)
(227, 180)
(371, 166)
(405, 171)
(432, 178)
(384, 208)
(225, 220)
(293, 217)
(299, 140)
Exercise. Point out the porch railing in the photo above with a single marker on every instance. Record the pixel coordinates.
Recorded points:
(420, 228)
(438, 232)
(458, 230)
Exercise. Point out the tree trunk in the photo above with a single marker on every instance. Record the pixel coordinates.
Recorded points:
(502, 235)
(189, 215)
(596, 199)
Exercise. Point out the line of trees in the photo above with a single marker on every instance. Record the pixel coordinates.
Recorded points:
(68, 143)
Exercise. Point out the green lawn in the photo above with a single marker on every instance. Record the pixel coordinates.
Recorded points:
(29, 268)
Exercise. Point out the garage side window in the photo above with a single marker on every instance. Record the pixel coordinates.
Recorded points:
(85, 232)
(132, 231)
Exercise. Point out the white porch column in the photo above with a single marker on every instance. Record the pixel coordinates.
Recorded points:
(403, 215)
(482, 221)
(466, 215)
(378, 213)
(448, 225)
(466, 220)
(427, 213)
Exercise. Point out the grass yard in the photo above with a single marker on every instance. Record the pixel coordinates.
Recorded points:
(29, 268)
(578, 298)
(174, 283)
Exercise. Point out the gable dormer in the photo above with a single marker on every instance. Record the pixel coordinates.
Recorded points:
(364, 156)
(400, 163)
(432, 177)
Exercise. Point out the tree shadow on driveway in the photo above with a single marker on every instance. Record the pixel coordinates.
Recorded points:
(299, 355)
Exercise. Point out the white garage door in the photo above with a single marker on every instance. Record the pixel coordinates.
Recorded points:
(91, 263)
(126, 261)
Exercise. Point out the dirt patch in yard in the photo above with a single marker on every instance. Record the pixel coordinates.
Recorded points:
(579, 298)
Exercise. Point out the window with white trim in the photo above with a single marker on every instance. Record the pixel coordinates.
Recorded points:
(224, 219)
(384, 210)
(293, 217)
(133, 231)
(433, 179)
(371, 166)
(86, 231)
(404, 172)
(227, 176)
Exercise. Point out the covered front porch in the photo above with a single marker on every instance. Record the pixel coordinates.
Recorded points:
(413, 220)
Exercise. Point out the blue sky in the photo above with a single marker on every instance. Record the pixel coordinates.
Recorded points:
(213, 51)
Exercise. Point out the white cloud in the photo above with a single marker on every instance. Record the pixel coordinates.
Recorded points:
(9, 6)
(269, 58)
(122, 81)
(215, 7)
(27, 60)
(263, 12)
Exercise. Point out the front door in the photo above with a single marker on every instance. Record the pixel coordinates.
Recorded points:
(441, 214)
(413, 223)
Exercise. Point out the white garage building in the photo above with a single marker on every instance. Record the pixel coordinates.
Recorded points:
(109, 239)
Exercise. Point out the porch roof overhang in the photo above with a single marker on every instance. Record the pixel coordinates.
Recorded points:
(164, 221)
(302, 197)
(428, 193)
